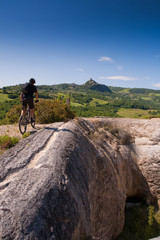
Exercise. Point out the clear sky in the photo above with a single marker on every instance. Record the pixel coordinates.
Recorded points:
(115, 42)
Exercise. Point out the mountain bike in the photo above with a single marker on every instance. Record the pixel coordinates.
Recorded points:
(24, 120)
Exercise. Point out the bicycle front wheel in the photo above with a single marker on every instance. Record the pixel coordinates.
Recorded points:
(33, 123)
(22, 124)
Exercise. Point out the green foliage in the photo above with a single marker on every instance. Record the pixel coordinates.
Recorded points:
(26, 134)
(44, 95)
(5, 106)
(4, 90)
(93, 99)
(143, 90)
(138, 90)
(13, 114)
(125, 103)
(49, 111)
(91, 111)
(140, 223)
(134, 113)
(13, 95)
(151, 215)
(7, 142)
(4, 97)
(81, 98)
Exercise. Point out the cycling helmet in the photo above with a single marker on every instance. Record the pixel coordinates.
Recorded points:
(32, 80)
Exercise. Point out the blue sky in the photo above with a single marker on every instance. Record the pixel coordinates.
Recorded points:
(115, 42)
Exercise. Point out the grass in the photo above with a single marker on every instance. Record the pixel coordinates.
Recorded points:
(97, 101)
(94, 102)
(7, 142)
(154, 94)
(101, 133)
(73, 104)
(26, 134)
(4, 97)
(133, 113)
(146, 98)
(126, 90)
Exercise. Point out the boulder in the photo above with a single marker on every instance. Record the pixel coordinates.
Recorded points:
(71, 180)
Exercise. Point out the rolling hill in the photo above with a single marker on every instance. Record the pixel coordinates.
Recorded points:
(93, 99)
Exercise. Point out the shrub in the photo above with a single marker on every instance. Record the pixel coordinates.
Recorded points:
(7, 142)
(101, 130)
(13, 114)
(49, 111)
(123, 137)
(5, 107)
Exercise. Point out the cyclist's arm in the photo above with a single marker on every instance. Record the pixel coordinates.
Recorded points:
(36, 94)
(21, 97)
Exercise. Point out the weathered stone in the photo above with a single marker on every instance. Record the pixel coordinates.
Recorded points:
(71, 180)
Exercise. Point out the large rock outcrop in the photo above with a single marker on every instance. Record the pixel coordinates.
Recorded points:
(71, 180)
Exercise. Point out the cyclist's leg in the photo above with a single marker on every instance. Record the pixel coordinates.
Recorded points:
(31, 106)
(24, 107)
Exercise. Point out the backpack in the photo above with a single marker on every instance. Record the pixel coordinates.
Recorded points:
(26, 89)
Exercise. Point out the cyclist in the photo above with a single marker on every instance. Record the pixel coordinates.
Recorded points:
(26, 97)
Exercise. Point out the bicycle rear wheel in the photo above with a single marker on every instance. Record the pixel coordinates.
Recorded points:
(22, 124)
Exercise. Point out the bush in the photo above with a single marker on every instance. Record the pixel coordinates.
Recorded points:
(5, 107)
(101, 133)
(49, 111)
(123, 137)
(7, 142)
(13, 114)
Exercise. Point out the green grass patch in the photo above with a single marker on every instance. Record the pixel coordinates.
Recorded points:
(96, 101)
(4, 97)
(125, 90)
(7, 142)
(133, 113)
(74, 104)
(146, 98)
(154, 94)
(26, 134)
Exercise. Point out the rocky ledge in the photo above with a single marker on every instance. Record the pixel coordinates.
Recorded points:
(71, 180)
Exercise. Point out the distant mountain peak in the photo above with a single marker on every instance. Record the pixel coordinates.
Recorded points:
(91, 82)
(93, 85)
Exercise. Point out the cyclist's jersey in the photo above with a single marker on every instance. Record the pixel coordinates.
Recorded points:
(32, 90)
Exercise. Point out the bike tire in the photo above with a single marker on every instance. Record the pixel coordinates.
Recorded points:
(22, 124)
(33, 123)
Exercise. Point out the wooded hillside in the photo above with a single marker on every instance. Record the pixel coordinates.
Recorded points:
(92, 99)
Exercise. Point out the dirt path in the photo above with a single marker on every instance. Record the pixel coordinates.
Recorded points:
(13, 130)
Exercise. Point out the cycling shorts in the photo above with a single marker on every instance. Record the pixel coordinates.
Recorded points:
(28, 102)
